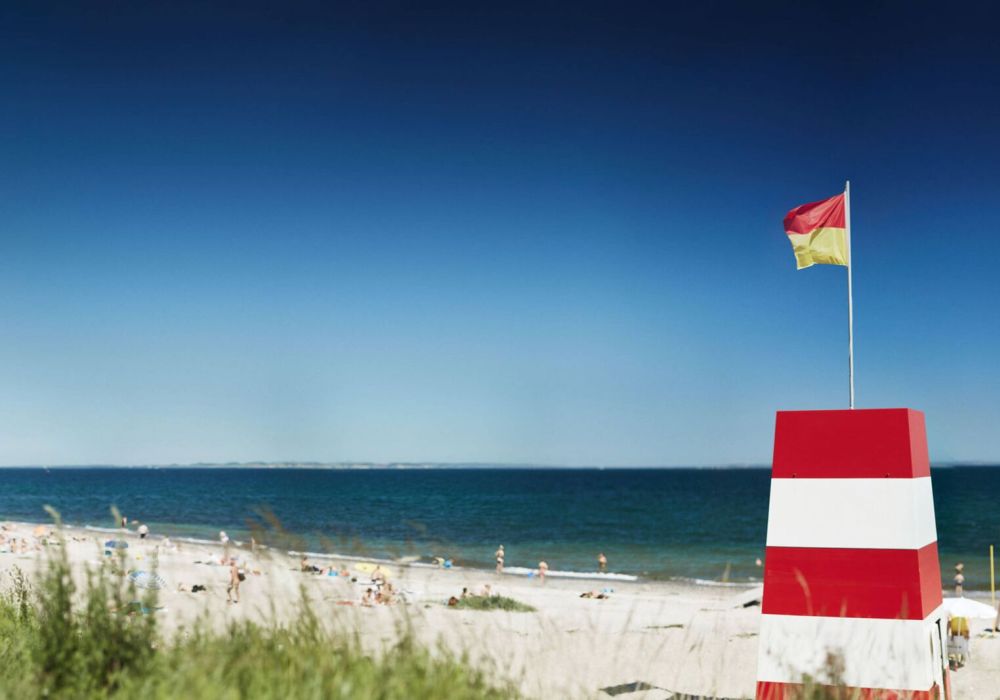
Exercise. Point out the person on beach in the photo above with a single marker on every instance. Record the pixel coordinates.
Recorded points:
(308, 567)
(959, 579)
(143, 531)
(499, 556)
(602, 563)
(543, 569)
(234, 582)
(368, 599)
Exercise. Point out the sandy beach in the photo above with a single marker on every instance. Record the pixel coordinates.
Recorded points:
(677, 638)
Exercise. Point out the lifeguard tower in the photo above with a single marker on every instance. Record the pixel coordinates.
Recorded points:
(852, 588)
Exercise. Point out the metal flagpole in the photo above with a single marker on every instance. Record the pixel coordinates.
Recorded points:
(993, 580)
(850, 291)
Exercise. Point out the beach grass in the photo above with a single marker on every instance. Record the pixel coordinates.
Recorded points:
(492, 602)
(97, 642)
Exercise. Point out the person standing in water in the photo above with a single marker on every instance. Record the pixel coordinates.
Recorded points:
(543, 569)
(602, 563)
(499, 555)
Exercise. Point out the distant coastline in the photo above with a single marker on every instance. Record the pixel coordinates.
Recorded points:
(372, 465)
(434, 465)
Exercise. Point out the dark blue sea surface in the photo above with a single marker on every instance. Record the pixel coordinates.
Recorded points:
(707, 524)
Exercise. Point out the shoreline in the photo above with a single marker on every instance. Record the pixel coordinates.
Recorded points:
(510, 571)
(419, 562)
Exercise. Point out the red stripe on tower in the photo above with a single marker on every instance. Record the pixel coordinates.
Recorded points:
(780, 691)
(879, 443)
(852, 591)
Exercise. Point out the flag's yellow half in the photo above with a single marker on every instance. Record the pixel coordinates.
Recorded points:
(822, 246)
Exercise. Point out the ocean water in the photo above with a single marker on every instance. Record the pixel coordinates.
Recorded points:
(696, 524)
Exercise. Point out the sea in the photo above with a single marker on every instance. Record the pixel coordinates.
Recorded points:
(701, 525)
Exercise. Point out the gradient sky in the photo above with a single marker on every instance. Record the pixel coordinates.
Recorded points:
(546, 233)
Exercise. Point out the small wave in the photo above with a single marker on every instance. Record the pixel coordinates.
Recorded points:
(716, 584)
(349, 557)
(198, 540)
(590, 575)
(510, 570)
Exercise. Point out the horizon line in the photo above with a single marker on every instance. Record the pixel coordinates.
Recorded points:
(356, 465)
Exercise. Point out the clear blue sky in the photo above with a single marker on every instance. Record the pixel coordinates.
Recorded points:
(546, 233)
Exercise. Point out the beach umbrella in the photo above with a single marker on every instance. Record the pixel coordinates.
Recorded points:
(369, 568)
(146, 579)
(116, 544)
(966, 607)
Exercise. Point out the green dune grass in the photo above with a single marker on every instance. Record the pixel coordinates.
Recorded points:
(60, 642)
(493, 602)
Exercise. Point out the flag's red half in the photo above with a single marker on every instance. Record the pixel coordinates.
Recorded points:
(827, 213)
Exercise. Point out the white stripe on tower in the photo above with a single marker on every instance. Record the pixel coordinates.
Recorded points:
(851, 513)
(875, 653)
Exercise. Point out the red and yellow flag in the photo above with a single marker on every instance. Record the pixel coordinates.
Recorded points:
(818, 233)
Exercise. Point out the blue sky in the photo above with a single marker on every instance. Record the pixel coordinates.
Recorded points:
(540, 233)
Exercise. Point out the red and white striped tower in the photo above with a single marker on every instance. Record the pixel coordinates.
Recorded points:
(852, 583)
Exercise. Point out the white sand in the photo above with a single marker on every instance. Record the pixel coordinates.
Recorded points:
(685, 638)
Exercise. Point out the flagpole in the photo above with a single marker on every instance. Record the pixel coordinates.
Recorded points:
(850, 291)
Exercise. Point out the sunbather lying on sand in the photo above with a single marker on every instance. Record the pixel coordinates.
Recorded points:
(306, 566)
